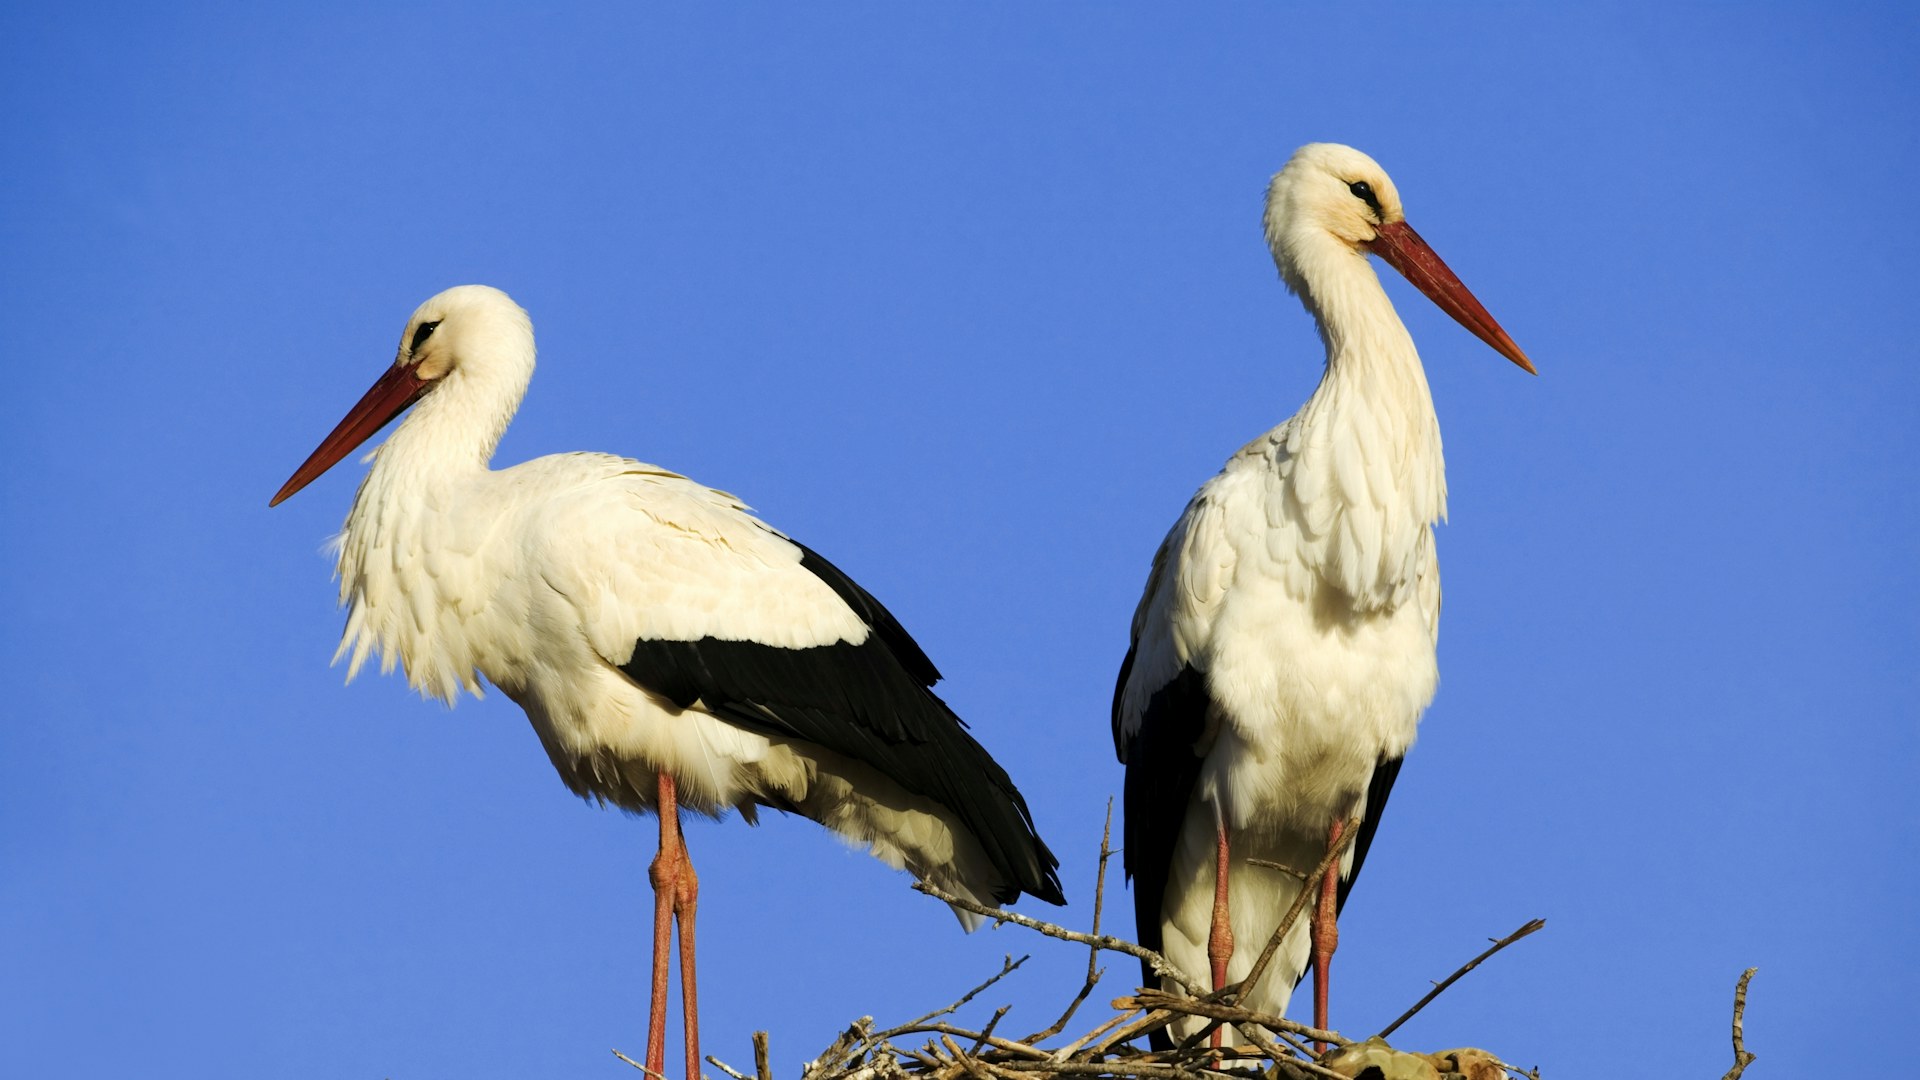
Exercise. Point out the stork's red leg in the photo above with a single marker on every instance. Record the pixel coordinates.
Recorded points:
(686, 897)
(675, 891)
(661, 874)
(1220, 936)
(1326, 933)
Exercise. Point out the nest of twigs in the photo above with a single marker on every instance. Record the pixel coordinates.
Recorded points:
(1265, 1047)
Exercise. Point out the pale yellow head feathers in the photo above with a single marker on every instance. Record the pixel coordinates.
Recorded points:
(462, 326)
(1327, 189)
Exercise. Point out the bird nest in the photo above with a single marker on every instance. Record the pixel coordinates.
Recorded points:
(933, 1047)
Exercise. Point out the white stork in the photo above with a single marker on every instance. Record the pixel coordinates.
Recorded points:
(1284, 649)
(670, 649)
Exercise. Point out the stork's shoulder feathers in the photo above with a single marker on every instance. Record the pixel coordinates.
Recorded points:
(1228, 531)
(643, 553)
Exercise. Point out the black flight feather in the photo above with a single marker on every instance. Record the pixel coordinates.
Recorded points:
(871, 702)
(1162, 770)
(1377, 791)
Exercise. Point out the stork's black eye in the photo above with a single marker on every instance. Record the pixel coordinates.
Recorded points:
(1364, 192)
(421, 335)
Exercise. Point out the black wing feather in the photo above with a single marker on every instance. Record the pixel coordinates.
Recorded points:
(1162, 770)
(1377, 790)
(874, 614)
(870, 702)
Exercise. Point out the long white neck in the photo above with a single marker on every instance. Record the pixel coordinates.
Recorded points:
(412, 550)
(1365, 450)
(1371, 358)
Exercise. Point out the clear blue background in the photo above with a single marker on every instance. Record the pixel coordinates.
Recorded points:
(970, 299)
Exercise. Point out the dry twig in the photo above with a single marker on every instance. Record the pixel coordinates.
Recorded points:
(1094, 971)
(1007, 967)
(639, 1066)
(988, 1030)
(1161, 964)
(1074, 1047)
(1742, 1057)
(1529, 928)
(762, 1056)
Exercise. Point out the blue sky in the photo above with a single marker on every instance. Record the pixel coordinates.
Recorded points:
(970, 299)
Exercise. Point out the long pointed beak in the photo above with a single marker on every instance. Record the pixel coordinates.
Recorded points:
(1403, 250)
(385, 399)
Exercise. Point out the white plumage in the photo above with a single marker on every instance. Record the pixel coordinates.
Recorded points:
(1284, 648)
(667, 646)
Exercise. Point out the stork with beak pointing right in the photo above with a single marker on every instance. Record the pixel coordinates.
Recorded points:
(1284, 649)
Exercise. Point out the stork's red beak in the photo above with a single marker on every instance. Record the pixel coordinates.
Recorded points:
(1403, 250)
(386, 399)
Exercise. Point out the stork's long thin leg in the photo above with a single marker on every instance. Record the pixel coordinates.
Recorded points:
(675, 890)
(661, 875)
(1326, 933)
(686, 897)
(1220, 935)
